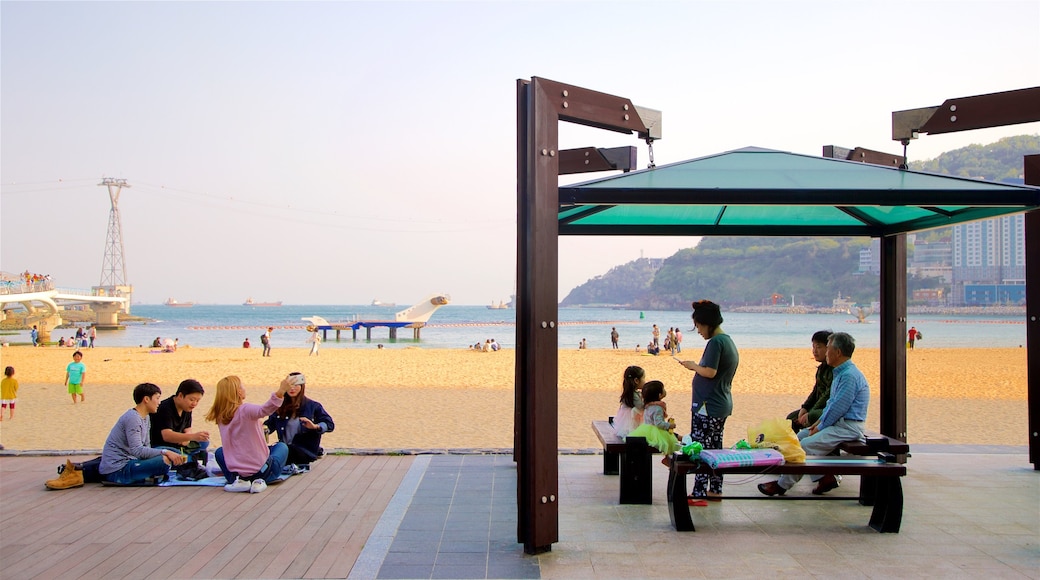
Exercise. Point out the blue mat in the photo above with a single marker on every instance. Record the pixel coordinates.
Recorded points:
(217, 481)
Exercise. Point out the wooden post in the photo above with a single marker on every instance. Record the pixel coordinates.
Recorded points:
(893, 336)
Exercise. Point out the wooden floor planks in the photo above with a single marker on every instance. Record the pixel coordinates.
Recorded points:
(310, 526)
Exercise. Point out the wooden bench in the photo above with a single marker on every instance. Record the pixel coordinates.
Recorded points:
(630, 459)
(886, 490)
(876, 445)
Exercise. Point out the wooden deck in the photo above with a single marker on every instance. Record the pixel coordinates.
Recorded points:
(310, 526)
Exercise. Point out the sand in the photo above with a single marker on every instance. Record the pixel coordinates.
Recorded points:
(416, 398)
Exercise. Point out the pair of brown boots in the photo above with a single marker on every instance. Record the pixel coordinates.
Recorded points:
(68, 477)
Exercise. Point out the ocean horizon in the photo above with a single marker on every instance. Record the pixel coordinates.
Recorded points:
(458, 326)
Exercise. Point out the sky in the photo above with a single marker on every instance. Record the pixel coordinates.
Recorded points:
(341, 152)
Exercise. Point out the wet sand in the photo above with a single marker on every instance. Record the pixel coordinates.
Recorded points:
(415, 398)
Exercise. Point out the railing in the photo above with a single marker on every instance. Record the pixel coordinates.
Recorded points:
(12, 287)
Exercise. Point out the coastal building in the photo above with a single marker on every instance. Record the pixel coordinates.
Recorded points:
(989, 261)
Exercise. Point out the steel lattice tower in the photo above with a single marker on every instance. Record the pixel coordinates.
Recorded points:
(113, 268)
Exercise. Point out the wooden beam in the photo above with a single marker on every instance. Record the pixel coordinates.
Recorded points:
(1032, 234)
(591, 159)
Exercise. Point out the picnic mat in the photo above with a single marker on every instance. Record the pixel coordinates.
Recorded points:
(217, 481)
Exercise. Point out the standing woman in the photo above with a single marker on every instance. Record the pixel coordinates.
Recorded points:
(712, 380)
(245, 459)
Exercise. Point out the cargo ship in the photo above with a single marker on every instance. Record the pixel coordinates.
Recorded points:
(176, 304)
(251, 302)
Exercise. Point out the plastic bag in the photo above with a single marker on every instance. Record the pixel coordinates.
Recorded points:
(777, 434)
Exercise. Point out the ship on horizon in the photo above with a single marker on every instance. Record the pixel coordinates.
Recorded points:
(250, 302)
(176, 304)
(378, 302)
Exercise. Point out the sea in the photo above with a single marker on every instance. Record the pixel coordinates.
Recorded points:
(458, 326)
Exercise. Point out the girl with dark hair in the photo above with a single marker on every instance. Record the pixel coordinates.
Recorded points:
(300, 423)
(630, 413)
(712, 382)
(656, 427)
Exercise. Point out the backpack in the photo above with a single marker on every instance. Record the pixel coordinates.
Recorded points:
(91, 474)
(263, 338)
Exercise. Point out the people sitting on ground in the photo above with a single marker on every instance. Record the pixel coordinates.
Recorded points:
(842, 419)
(128, 457)
(245, 459)
(495, 346)
(487, 345)
(812, 408)
(61, 341)
(171, 427)
(630, 411)
(300, 422)
(656, 427)
(157, 343)
(652, 348)
(245, 343)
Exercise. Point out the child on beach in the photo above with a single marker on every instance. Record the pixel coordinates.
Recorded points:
(630, 413)
(656, 424)
(8, 392)
(74, 375)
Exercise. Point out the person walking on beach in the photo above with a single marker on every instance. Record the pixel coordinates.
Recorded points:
(911, 337)
(614, 337)
(75, 374)
(265, 340)
(678, 339)
(93, 335)
(8, 392)
(35, 336)
(712, 397)
(657, 336)
(315, 341)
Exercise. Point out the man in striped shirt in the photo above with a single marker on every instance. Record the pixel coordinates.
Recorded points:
(842, 418)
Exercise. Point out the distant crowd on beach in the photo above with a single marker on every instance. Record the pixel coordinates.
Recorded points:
(489, 345)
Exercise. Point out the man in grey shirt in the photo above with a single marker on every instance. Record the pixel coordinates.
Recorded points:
(128, 457)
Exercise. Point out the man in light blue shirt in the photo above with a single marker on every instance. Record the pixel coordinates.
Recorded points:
(842, 418)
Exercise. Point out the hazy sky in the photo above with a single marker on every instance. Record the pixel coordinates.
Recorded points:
(338, 152)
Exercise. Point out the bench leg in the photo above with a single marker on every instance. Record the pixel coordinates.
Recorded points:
(610, 463)
(678, 508)
(887, 514)
(867, 490)
(637, 477)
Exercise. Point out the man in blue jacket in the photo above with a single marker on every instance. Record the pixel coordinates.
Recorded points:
(842, 418)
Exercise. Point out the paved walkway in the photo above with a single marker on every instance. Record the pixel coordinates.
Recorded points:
(970, 512)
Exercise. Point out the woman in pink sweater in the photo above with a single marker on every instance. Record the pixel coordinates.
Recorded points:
(246, 460)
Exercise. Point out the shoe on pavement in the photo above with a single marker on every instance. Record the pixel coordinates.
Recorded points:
(240, 485)
(257, 486)
(68, 477)
(771, 488)
(825, 484)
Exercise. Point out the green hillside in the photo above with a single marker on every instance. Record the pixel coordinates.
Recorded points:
(751, 270)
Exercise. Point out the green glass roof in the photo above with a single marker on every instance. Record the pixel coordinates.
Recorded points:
(755, 191)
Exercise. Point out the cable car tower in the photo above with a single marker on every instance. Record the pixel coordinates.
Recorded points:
(113, 268)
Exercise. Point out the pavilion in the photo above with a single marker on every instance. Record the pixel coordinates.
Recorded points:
(750, 191)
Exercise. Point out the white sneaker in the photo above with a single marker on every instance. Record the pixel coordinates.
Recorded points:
(257, 486)
(240, 485)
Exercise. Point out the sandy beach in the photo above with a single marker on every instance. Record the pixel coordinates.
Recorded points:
(415, 398)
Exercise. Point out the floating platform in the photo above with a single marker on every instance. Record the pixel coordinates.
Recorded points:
(368, 325)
